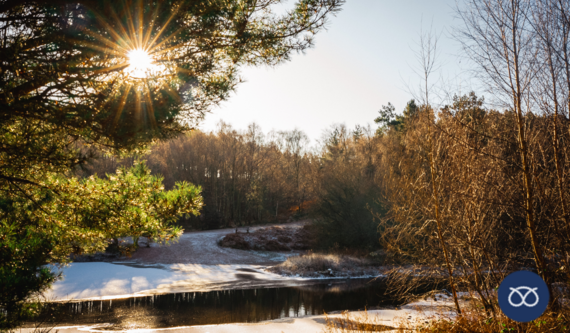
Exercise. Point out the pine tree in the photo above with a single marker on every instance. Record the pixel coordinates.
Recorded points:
(116, 76)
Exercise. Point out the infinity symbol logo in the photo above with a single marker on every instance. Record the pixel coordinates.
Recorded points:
(523, 297)
(528, 286)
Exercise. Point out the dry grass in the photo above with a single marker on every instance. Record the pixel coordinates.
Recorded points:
(315, 264)
(471, 321)
(478, 322)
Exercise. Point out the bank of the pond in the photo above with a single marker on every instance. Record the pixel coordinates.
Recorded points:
(311, 297)
(195, 262)
(201, 247)
(101, 280)
(130, 293)
(409, 316)
(160, 287)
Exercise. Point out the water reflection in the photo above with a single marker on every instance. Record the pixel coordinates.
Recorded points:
(220, 307)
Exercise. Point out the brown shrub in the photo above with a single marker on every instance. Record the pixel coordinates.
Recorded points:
(479, 322)
(284, 239)
(273, 245)
(274, 238)
(235, 241)
(314, 264)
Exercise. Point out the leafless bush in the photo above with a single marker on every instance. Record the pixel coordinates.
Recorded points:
(315, 264)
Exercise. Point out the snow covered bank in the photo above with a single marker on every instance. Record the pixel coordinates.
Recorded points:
(194, 263)
(410, 316)
(201, 247)
(100, 280)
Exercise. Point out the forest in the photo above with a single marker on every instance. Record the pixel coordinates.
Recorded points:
(464, 189)
(424, 182)
(250, 178)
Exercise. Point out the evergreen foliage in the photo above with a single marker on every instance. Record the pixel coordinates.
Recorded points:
(65, 84)
(348, 191)
(389, 120)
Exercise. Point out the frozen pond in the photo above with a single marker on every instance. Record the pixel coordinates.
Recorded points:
(222, 306)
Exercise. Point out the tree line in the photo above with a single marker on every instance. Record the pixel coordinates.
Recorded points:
(245, 176)
(481, 189)
(250, 177)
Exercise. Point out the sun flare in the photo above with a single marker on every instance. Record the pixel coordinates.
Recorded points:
(141, 64)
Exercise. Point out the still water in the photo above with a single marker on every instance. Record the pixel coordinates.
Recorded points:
(224, 306)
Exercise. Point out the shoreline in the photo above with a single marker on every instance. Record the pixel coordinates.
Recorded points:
(103, 281)
(410, 315)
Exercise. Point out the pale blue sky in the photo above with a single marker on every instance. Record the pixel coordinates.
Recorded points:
(359, 64)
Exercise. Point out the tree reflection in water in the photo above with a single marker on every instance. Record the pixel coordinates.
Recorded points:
(220, 307)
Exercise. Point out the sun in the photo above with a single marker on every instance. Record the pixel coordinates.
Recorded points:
(141, 64)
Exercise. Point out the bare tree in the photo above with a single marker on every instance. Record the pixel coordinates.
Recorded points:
(427, 59)
(499, 39)
(548, 21)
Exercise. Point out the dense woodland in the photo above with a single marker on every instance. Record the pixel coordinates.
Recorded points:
(469, 188)
(425, 182)
(250, 177)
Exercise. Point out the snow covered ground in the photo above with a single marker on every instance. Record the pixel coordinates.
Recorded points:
(410, 316)
(201, 247)
(197, 263)
(101, 280)
(194, 263)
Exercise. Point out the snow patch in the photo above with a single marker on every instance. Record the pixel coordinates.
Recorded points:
(101, 280)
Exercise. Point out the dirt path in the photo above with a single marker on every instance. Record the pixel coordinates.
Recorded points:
(194, 263)
(200, 247)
